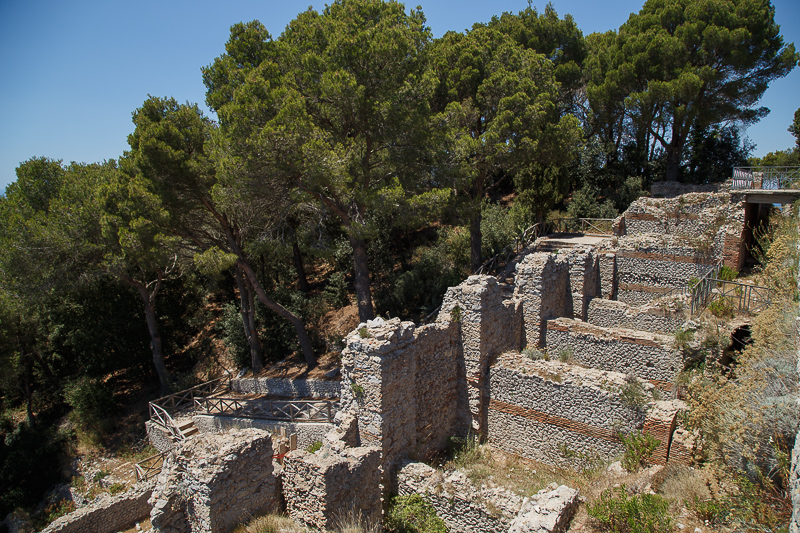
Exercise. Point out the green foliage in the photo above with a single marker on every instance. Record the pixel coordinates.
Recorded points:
(116, 488)
(726, 273)
(794, 129)
(358, 390)
(55, 510)
(565, 355)
(233, 335)
(93, 405)
(455, 314)
(335, 292)
(29, 463)
(364, 333)
(633, 393)
(314, 446)
(721, 307)
(100, 474)
(412, 514)
(584, 204)
(618, 512)
(639, 448)
(682, 339)
(534, 354)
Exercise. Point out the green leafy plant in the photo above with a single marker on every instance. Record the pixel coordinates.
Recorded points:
(314, 446)
(721, 307)
(726, 273)
(100, 475)
(565, 354)
(618, 512)
(534, 354)
(412, 514)
(116, 488)
(455, 314)
(633, 393)
(357, 389)
(364, 333)
(639, 448)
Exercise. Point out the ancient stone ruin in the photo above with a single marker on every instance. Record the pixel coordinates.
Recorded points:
(571, 351)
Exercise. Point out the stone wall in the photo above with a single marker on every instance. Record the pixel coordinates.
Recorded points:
(159, 437)
(110, 514)
(287, 388)
(488, 323)
(404, 385)
(541, 284)
(213, 482)
(662, 316)
(307, 432)
(558, 413)
(322, 487)
(466, 508)
(648, 356)
(647, 269)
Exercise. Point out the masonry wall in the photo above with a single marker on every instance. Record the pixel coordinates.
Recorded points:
(648, 356)
(488, 322)
(110, 514)
(664, 316)
(558, 413)
(307, 432)
(647, 270)
(212, 482)
(404, 385)
(541, 286)
(158, 437)
(323, 487)
(288, 388)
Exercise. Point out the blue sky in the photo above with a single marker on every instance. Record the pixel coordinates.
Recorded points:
(74, 71)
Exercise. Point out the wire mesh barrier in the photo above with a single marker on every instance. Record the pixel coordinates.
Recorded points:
(149, 467)
(285, 410)
(767, 178)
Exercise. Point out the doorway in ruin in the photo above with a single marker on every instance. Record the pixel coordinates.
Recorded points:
(756, 222)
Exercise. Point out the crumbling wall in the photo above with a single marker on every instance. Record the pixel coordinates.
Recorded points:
(663, 316)
(488, 323)
(466, 508)
(287, 388)
(607, 275)
(648, 268)
(582, 280)
(558, 413)
(110, 514)
(541, 286)
(325, 486)
(211, 482)
(661, 423)
(307, 432)
(159, 437)
(403, 384)
(648, 356)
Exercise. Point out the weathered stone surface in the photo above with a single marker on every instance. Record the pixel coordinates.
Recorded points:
(288, 388)
(558, 413)
(662, 316)
(660, 423)
(322, 487)
(158, 437)
(549, 511)
(462, 506)
(541, 286)
(648, 356)
(212, 482)
(108, 515)
(307, 432)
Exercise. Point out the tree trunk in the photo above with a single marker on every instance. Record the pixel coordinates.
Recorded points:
(363, 293)
(28, 394)
(298, 263)
(475, 241)
(155, 336)
(297, 322)
(673, 163)
(248, 320)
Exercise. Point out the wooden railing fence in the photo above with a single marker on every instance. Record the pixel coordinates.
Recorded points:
(288, 410)
(149, 467)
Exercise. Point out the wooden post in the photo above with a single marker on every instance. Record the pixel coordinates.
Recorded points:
(293, 441)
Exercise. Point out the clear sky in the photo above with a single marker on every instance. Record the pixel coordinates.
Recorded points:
(72, 72)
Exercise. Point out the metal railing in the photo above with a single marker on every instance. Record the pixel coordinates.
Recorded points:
(286, 410)
(149, 467)
(767, 178)
(740, 297)
(701, 290)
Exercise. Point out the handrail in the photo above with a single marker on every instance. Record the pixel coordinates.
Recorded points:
(702, 289)
(149, 466)
(285, 410)
(179, 401)
(766, 177)
(161, 416)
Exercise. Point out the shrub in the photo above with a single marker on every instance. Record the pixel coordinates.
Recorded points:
(314, 446)
(721, 307)
(565, 355)
(358, 390)
(726, 273)
(639, 447)
(93, 406)
(335, 292)
(534, 354)
(633, 393)
(364, 333)
(618, 512)
(412, 514)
